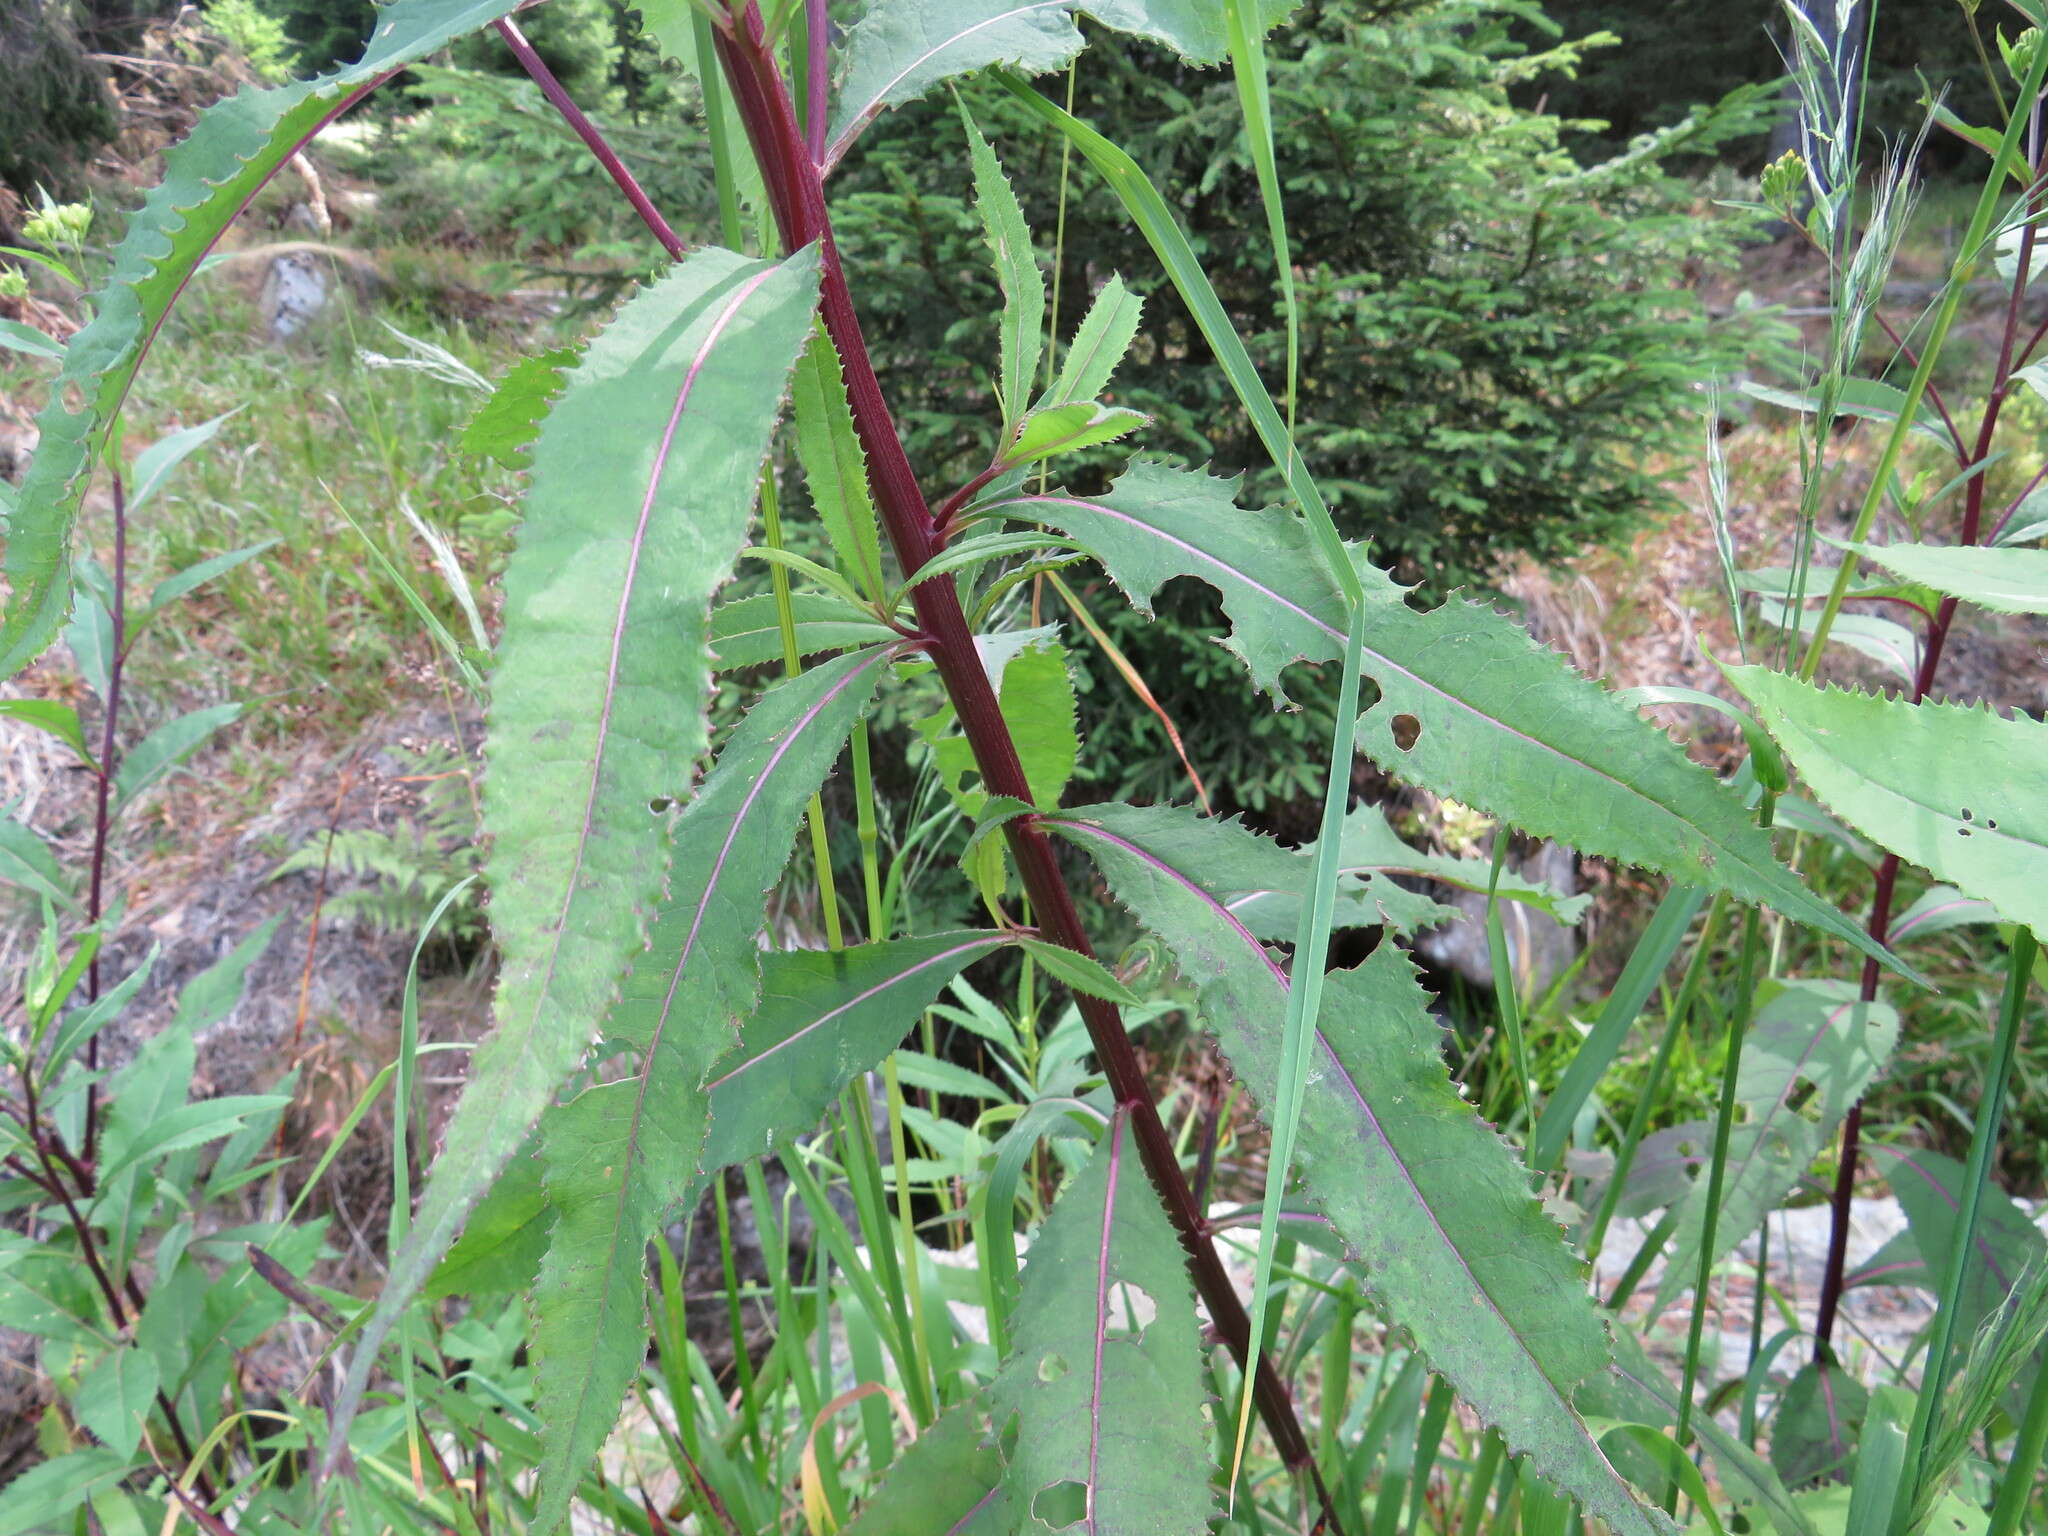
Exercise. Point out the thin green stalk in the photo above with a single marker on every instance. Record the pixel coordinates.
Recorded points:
(1639, 1266)
(866, 830)
(1480, 1483)
(1963, 1246)
(1646, 1100)
(1336, 1382)
(899, 1153)
(1255, 103)
(1312, 939)
(743, 1364)
(1968, 256)
(792, 663)
(712, 81)
(1717, 1167)
(1506, 996)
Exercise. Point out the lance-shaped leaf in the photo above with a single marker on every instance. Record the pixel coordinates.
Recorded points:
(1098, 346)
(747, 631)
(1431, 1200)
(1470, 706)
(1023, 285)
(2003, 580)
(236, 146)
(835, 468)
(897, 52)
(621, 1156)
(1953, 788)
(824, 1018)
(1106, 1378)
(1815, 1034)
(1258, 882)
(642, 486)
(950, 1480)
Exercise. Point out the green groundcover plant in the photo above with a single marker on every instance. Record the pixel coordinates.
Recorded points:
(645, 1044)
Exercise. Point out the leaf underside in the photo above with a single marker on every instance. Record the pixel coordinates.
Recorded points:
(895, 53)
(1429, 1198)
(1954, 788)
(824, 1018)
(1493, 719)
(1106, 1377)
(620, 1157)
(642, 487)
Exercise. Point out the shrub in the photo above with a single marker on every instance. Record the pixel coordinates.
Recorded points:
(1496, 351)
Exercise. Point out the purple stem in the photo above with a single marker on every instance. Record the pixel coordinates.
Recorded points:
(102, 818)
(817, 28)
(1879, 926)
(796, 190)
(588, 132)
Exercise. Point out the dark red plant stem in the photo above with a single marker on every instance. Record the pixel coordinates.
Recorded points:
(817, 75)
(2018, 501)
(102, 821)
(588, 132)
(797, 194)
(1923, 682)
(1955, 436)
(942, 520)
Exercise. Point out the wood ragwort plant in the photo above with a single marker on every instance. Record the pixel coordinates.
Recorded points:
(644, 1042)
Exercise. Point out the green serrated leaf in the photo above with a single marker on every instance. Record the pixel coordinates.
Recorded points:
(895, 53)
(1009, 238)
(1373, 847)
(1940, 908)
(115, 1397)
(1038, 704)
(2002, 580)
(1068, 428)
(1037, 697)
(950, 1479)
(504, 1240)
(621, 1156)
(835, 468)
(505, 425)
(824, 1017)
(1083, 973)
(1499, 722)
(1098, 346)
(237, 145)
(1813, 1034)
(643, 482)
(1260, 884)
(1106, 1379)
(1431, 1200)
(1955, 789)
(747, 632)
